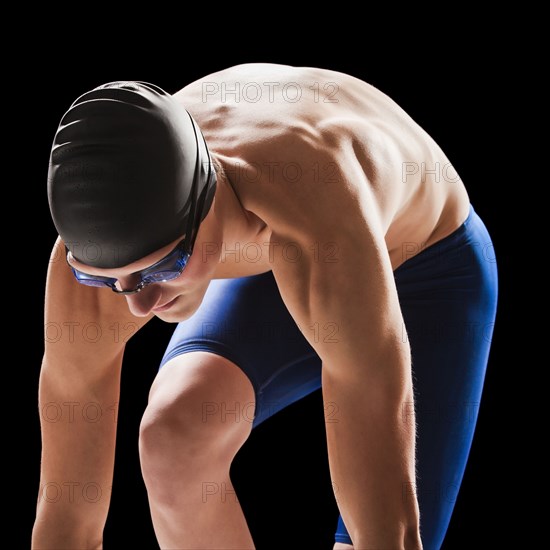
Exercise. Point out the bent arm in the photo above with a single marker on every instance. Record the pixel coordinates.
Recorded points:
(78, 398)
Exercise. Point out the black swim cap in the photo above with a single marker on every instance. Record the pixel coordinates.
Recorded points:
(122, 168)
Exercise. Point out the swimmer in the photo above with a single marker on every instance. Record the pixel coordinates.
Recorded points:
(304, 232)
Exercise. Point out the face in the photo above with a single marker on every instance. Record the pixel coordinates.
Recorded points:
(171, 301)
(176, 300)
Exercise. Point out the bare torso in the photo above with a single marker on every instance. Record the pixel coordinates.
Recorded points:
(256, 117)
(341, 162)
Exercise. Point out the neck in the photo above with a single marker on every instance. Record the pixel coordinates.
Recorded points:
(227, 227)
(224, 215)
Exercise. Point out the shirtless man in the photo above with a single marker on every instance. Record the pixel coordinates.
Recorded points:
(314, 211)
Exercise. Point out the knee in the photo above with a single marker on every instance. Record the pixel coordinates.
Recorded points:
(180, 431)
(179, 434)
(174, 430)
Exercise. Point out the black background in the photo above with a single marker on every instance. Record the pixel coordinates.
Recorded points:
(282, 472)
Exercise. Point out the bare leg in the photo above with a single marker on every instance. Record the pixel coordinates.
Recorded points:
(197, 419)
(342, 546)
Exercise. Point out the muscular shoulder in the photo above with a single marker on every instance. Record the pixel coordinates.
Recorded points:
(306, 179)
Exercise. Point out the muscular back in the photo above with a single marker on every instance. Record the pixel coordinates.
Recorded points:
(286, 135)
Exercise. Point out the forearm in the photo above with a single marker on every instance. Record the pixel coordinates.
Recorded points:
(371, 444)
(78, 421)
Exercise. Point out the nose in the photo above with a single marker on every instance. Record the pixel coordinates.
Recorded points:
(143, 302)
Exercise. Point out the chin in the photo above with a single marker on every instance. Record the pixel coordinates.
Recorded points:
(183, 308)
(174, 314)
(169, 317)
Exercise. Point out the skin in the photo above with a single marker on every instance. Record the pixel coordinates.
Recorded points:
(358, 195)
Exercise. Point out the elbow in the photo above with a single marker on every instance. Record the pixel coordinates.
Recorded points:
(389, 375)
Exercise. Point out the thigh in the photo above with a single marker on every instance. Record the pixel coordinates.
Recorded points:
(246, 321)
(448, 300)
